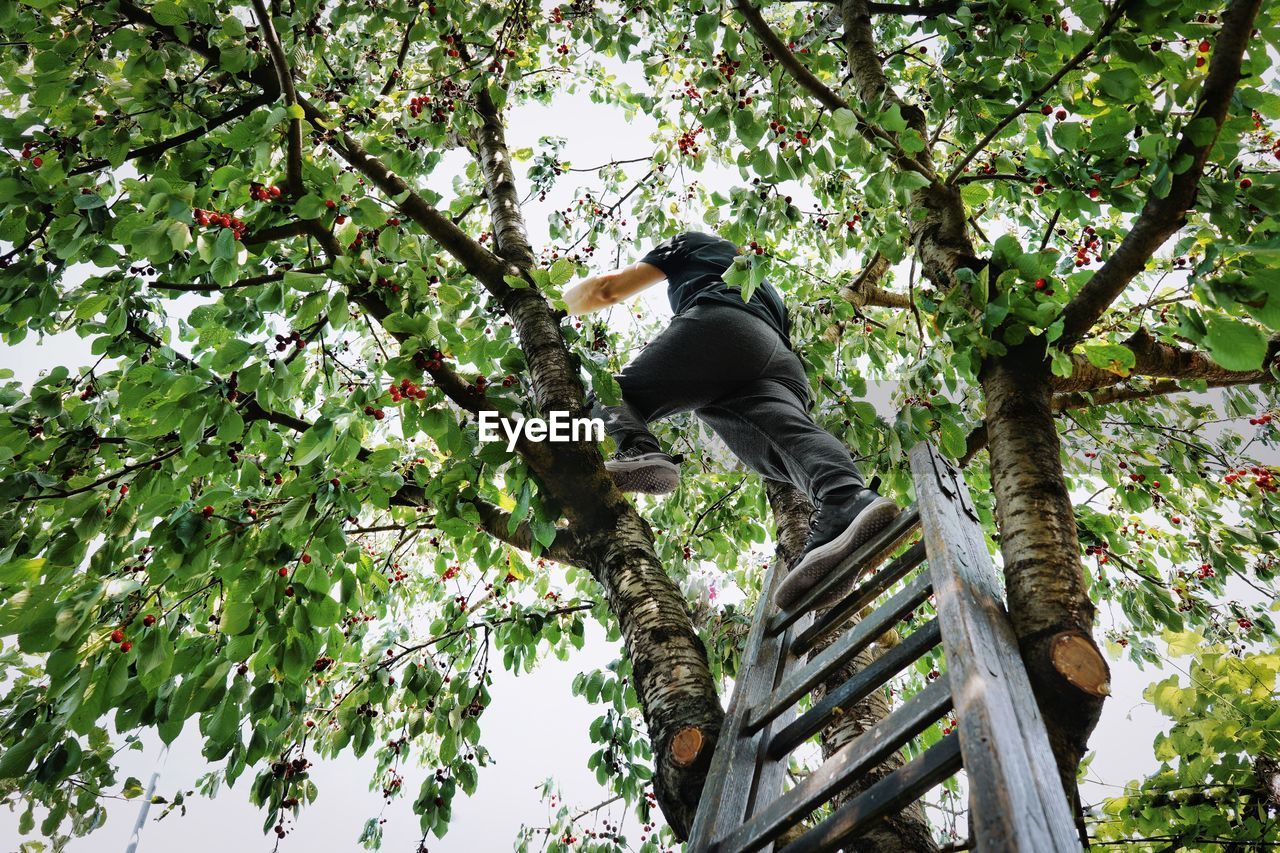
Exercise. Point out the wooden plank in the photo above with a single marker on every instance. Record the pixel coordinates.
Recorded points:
(866, 557)
(849, 644)
(1016, 800)
(859, 598)
(854, 690)
(772, 774)
(723, 804)
(861, 754)
(885, 797)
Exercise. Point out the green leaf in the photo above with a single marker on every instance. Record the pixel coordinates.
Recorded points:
(315, 441)
(1234, 344)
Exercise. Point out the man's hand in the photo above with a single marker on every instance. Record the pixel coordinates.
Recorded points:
(601, 291)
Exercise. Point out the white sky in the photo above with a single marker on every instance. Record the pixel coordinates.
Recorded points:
(534, 728)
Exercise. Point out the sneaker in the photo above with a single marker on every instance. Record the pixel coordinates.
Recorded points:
(837, 531)
(649, 471)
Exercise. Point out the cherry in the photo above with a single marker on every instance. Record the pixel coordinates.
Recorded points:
(306, 558)
(126, 646)
(284, 571)
(1244, 623)
(207, 512)
(124, 490)
(117, 636)
(335, 482)
(1041, 284)
(1046, 110)
(1060, 114)
(1204, 47)
(37, 162)
(329, 204)
(288, 590)
(1245, 183)
(148, 620)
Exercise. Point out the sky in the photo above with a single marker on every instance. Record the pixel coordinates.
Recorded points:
(534, 727)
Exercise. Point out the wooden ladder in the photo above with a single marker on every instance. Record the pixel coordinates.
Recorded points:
(1016, 801)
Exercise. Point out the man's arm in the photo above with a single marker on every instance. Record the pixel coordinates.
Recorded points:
(610, 288)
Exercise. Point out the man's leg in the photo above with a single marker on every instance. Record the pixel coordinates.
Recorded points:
(767, 424)
(699, 357)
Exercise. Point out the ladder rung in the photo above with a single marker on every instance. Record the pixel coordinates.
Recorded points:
(888, 796)
(856, 689)
(850, 643)
(868, 555)
(859, 598)
(861, 754)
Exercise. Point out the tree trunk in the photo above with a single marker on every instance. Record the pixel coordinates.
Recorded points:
(908, 830)
(1048, 596)
(668, 661)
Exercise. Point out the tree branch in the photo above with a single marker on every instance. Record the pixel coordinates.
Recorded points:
(1162, 217)
(155, 149)
(293, 163)
(824, 95)
(1034, 98)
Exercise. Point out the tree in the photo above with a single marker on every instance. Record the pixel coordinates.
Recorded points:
(265, 510)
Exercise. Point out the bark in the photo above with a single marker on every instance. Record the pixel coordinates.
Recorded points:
(908, 830)
(1048, 596)
(668, 661)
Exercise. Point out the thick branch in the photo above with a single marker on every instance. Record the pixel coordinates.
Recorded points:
(1166, 361)
(1162, 217)
(293, 163)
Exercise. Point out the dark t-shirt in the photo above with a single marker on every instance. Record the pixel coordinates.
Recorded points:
(694, 264)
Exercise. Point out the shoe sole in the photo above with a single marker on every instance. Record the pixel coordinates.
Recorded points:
(650, 477)
(878, 515)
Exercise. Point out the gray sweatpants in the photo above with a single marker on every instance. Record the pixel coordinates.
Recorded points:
(734, 372)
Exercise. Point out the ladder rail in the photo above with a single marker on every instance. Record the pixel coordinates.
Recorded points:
(1017, 802)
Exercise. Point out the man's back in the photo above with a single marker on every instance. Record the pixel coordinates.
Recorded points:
(694, 264)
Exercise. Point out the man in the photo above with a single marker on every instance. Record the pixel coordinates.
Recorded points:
(730, 362)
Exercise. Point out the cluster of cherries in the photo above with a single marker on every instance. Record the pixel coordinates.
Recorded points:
(1060, 113)
(29, 153)
(294, 337)
(1263, 479)
(406, 390)
(1089, 243)
(688, 142)
(1260, 420)
(214, 219)
(1097, 551)
(117, 637)
(262, 192)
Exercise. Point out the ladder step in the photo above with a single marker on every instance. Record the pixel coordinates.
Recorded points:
(863, 753)
(856, 563)
(888, 796)
(855, 689)
(829, 659)
(859, 598)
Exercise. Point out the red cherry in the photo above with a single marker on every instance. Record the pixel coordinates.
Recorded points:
(329, 204)
(1060, 114)
(335, 482)
(1041, 284)
(288, 590)
(126, 646)
(207, 511)
(1204, 47)
(284, 571)
(117, 636)
(1245, 183)
(37, 162)
(148, 620)
(1046, 109)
